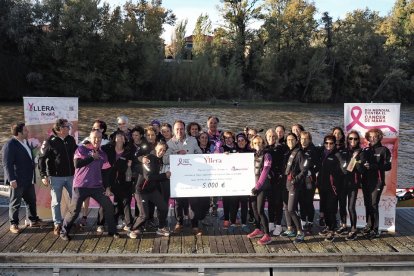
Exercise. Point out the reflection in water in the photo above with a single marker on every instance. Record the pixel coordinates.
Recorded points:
(318, 119)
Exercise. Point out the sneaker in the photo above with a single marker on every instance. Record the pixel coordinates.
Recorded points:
(232, 228)
(257, 233)
(14, 228)
(33, 223)
(226, 224)
(178, 228)
(197, 231)
(114, 235)
(126, 228)
(308, 228)
(366, 229)
(266, 239)
(343, 230)
(352, 236)
(289, 233)
(245, 228)
(330, 237)
(100, 229)
(278, 230)
(299, 238)
(251, 220)
(322, 222)
(57, 229)
(133, 234)
(372, 235)
(64, 236)
(324, 232)
(83, 221)
(163, 232)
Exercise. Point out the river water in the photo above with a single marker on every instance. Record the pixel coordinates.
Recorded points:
(316, 118)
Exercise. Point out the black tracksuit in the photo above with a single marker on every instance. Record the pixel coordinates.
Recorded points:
(328, 183)
(351, 184)
(119, 186)
(275, 194)
(295, 173)
(373, 180)
(312, 156)
(148, 190)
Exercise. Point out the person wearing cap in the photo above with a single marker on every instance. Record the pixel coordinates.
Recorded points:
(57, 168)
(157, 128)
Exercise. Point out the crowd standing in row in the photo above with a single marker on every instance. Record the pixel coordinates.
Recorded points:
(134, 164)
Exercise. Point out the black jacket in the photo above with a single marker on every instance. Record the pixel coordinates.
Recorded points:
(379, 159)
(329, 177)
(295, 170)
(56, 157)
(151, 177)
(118, 166)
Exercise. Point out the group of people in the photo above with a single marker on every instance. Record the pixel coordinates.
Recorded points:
(132, 164)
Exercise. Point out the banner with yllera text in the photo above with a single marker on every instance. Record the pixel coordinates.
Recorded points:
(40, 113)
(385, 116)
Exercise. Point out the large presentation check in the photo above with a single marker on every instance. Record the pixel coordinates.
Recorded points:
(198, 175)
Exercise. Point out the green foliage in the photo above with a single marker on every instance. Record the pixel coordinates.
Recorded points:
(88, 49)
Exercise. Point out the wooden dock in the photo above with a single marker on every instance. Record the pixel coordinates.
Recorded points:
(39, 248)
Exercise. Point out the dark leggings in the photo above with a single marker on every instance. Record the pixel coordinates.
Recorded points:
(372, 196)
(275, 202)
(258, 203)
(181, 209)
(290, 203)
(307, 210)
(234, 208)
(330, 207)
(200, 206)
(143, 204)
(226, 206)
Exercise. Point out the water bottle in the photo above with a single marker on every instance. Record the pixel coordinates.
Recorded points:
(128, 174)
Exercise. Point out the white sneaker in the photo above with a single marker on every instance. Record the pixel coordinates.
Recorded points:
(278, 230)
(100, 229)
(126, 228)
(133, 234)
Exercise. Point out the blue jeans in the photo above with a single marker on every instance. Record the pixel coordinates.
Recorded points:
(57, 183)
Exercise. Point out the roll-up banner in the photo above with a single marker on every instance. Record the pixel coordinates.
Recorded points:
(385, 116)
(40, 113)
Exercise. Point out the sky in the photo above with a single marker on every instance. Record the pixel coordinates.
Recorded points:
(191, 9)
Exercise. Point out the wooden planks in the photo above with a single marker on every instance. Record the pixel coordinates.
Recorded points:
(214, 241)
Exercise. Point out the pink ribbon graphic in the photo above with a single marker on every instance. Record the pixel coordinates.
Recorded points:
(356, 121)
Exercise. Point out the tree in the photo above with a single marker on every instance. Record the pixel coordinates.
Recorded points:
(201, 32)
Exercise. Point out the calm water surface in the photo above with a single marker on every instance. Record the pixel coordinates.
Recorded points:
(316, 118)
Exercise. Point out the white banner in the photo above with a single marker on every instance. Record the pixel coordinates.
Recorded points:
(200, 175)
(40, 113)
(385, 116)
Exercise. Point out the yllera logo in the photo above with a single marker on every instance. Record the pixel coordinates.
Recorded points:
(33, 107)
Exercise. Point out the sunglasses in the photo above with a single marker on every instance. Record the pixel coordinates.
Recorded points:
(329, 143)
(353, 138)
(65, 126)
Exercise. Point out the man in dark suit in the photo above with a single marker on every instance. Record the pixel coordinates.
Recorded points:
(19, 169)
